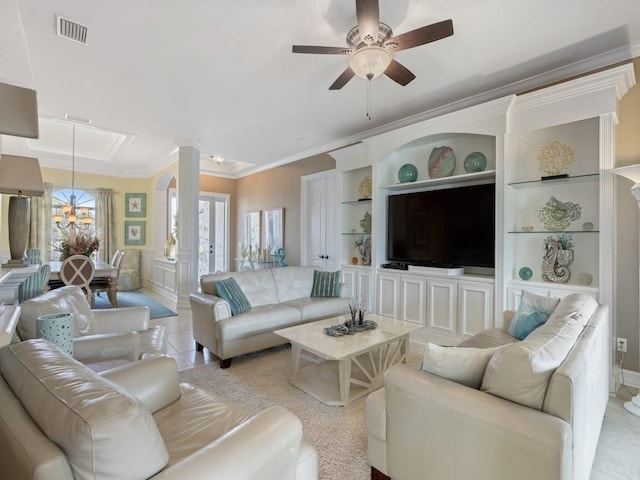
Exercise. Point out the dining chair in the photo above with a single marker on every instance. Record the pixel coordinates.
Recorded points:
(103, 286)
(78, 270)
(37, 283)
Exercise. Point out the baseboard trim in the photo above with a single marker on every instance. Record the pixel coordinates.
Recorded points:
(630, 378)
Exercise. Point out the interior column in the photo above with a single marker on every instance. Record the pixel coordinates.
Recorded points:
(187, 254)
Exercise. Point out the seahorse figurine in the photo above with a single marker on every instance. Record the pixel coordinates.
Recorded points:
(555, 262)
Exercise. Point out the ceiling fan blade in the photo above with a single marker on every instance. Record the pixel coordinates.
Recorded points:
(422, 35)
(399, 73)
(316, 49)
(342, 80)
(368, 15)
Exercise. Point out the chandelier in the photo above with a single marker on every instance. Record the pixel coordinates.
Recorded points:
(72, 214)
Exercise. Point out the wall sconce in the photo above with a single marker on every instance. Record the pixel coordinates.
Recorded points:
(19, 176)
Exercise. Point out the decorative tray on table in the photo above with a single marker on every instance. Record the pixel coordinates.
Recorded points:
(343, 329)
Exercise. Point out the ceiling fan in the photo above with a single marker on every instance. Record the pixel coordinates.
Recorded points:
(371, 46)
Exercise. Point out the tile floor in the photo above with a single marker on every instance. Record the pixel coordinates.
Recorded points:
(181, 344)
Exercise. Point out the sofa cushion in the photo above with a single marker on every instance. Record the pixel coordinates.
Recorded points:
(520, 372)
(490, 337)
(532, 312)
(64, 299)
(229, 290)
(257, 285)
(293, 282)
(319, 308)
(464, 365)
(197, 418)
(104, 431)
(325, 284)
(262, 319)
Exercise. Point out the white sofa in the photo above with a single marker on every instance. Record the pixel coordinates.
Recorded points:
(61, 421)
(529, 420)
(279, 298)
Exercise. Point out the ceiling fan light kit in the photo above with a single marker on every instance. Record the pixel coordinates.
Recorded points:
(370, 62)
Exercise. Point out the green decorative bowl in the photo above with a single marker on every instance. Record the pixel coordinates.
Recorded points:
(407, 173)
(475, 162)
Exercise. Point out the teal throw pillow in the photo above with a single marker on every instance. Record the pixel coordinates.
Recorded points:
(229, 290)
(326, 284)
(533, 311)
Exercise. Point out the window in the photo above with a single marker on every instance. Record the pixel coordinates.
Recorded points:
(213, 228)
(60, 198)
(172, 212)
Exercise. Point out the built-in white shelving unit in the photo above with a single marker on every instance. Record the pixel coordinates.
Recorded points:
(511, 132)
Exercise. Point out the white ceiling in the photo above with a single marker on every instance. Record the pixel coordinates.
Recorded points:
(220, 76)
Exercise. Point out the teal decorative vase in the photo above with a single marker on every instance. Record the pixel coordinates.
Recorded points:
(407, 173)
(442, 162)
(57, 328)
(475, 162)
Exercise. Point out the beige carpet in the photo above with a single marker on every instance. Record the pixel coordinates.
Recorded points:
(259, 380)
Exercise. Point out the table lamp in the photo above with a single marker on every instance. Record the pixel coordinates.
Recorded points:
(21, 177)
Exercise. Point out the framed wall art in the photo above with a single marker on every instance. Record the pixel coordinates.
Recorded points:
(135, 205)
(134, 232)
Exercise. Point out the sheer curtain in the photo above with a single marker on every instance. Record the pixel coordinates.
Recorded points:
(106, 225)
(40, 223)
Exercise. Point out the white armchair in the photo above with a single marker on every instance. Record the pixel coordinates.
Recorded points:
(135, 421)
(115, 334)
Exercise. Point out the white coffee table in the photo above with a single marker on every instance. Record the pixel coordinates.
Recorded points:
(338, 370)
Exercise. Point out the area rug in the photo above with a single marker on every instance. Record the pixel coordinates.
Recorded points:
(259, 380)
(135, 298)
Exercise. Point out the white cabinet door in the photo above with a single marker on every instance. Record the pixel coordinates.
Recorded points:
(349, 288)
(442, 306)
(357, 285)
(364, 290)
(413, 299)
(388, 293)
(319, 220)
(475, 307)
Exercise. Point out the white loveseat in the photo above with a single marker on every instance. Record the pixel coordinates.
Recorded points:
(530, 420)
(61, 421)
(279, 298)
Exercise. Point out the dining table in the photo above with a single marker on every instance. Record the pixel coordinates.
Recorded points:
(105, 275)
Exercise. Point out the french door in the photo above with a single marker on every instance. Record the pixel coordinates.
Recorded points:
(213, 233)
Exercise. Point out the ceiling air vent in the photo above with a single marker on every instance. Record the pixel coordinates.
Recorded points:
(72, 30)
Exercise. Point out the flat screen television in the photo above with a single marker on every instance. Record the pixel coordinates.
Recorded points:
(452, 227)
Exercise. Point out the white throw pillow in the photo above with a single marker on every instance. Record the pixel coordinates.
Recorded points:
(464, 365)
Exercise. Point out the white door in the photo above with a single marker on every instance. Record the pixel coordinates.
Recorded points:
(318, 246)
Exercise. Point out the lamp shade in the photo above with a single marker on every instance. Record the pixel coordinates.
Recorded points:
(632, 172)
(370, 62)
(18, 100)
(20, 176)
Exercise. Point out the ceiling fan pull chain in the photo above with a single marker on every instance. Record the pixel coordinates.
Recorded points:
(369, 99)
